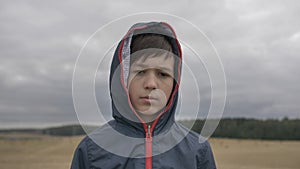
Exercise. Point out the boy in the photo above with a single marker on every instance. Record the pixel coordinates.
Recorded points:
(144, 81)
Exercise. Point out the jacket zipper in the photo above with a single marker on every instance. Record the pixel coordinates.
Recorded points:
(148, 147)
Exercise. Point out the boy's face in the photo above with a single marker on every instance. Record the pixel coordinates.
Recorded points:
(150, 85)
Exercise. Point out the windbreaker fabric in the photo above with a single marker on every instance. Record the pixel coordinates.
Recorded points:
(127, 142)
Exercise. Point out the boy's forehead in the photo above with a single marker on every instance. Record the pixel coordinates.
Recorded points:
(157, 62)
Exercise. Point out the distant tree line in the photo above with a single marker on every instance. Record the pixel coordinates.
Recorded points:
(70, 130)
(271, 129)
(67, 130)
(285, 129)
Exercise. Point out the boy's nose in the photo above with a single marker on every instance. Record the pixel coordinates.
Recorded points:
(150, 82)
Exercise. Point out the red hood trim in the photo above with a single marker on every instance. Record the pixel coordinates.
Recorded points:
(125, 87)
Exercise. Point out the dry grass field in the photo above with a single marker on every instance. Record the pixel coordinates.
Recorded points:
(28, 151)
(256, 154)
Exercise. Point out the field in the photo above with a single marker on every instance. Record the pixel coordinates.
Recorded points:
(256, 154)
(29, 151)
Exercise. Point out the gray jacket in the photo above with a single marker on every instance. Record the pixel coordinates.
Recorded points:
(129, 143)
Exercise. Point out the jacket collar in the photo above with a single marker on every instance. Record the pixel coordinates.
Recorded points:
(122, 109)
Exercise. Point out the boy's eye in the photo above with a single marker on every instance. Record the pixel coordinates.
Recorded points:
(162, 74)
(140, 72)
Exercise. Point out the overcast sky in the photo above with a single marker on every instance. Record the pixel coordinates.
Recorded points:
(257, 41)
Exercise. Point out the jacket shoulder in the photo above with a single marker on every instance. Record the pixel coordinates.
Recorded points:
(200, 147)
(84, 153)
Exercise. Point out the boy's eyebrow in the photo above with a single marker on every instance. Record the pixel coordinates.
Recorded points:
(157, 67)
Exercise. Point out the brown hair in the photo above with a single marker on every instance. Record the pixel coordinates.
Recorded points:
(149, 41)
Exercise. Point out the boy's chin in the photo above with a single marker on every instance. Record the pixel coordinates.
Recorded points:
(148, 116)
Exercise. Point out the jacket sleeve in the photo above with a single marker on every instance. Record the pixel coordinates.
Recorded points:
(80, 158)
(205, 158)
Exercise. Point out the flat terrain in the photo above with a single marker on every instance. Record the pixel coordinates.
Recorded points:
(256, 154)
(29, 151)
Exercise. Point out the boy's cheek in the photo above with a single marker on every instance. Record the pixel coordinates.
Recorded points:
(130, 77)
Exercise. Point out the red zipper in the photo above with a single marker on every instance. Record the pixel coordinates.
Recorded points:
(148, 138)
(148, 148)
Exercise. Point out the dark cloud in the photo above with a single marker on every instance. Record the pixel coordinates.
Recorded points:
(258, 43)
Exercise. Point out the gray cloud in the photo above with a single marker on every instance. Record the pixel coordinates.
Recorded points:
(258, 43)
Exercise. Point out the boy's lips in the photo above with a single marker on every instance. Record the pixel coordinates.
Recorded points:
(148, 98)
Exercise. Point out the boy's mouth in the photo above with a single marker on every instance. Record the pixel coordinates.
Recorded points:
(148, 98)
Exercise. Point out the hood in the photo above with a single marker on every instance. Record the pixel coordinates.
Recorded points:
(122, 109)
